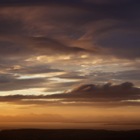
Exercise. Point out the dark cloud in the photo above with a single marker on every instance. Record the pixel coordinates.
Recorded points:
(107, 91)
(37, 46)
(6, 78)
(107, 21)
(124, 75)
(14, 50)
(36, 2)
(36, 69)
(128, 75)
(10, 25)
(121, 43)
(124, 94)
(9, 82)
(48, 45)
(12, 98)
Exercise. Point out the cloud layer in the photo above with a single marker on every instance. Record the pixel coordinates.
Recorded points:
(56, 45)
(99, 95)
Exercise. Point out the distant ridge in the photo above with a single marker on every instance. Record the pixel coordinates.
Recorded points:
(68, 134)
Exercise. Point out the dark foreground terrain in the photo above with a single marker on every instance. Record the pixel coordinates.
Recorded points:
(38, 134)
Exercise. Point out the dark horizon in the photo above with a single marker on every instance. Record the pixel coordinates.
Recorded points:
(37, 134)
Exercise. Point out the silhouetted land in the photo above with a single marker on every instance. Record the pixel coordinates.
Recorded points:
(65, 134)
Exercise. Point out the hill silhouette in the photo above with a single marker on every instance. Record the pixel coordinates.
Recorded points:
(68, 134)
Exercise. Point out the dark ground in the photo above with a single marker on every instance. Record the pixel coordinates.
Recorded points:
(64, 134)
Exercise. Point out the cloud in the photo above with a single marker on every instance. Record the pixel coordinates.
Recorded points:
(120, 41)
(102, 23)
(35, 69)
(48, 45)
(72, 75)
(39, 37)
(124, 94)
(10, 25)
(35, 76)
(128, 75)
(9, 82)
(36, 2)
(14, 50)
(116, 75)
(34, 118)
(107, 92)
(61, 86)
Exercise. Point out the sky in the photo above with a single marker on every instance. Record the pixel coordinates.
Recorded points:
(70, 64)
